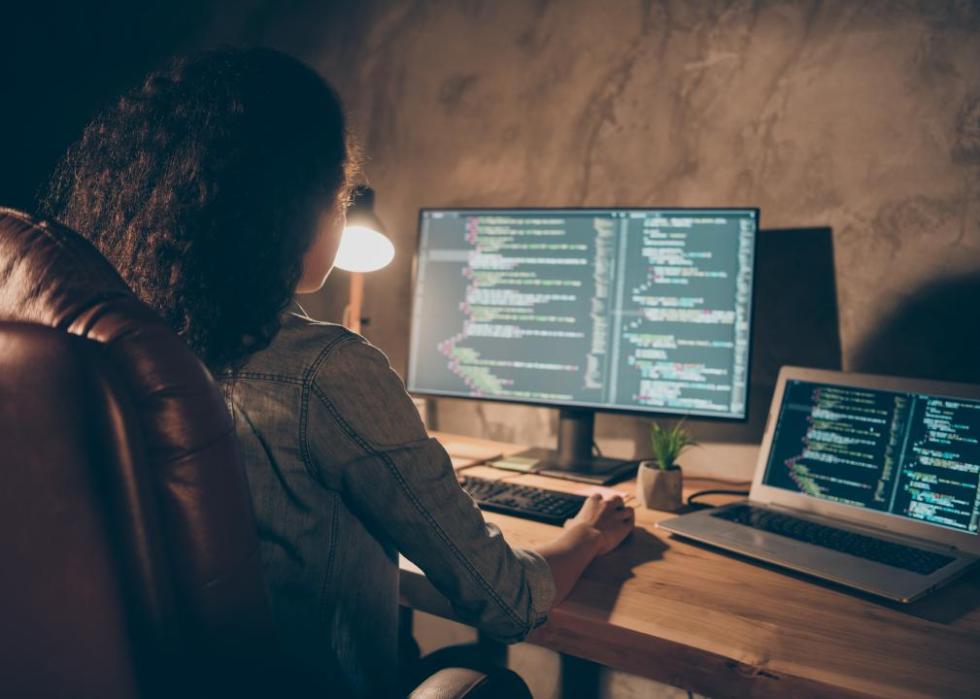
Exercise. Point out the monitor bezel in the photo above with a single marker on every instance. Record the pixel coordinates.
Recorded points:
(883, 521)
(561, 405)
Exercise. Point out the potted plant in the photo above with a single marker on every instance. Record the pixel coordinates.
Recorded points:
(659, 481)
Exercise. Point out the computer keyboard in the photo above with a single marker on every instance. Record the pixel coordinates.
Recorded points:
(861, 545)
(549, 506)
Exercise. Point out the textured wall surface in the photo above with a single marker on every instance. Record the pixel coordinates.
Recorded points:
(860, 116)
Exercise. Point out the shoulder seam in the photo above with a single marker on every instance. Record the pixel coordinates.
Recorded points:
(304, 405)
(266, 376)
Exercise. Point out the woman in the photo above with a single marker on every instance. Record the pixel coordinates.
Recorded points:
(218, 189)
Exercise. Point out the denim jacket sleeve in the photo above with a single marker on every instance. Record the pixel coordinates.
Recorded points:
(365, 438)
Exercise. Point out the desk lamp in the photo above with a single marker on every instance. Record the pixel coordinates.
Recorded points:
(363, 248)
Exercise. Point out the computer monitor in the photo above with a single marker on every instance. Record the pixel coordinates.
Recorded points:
(645, 311)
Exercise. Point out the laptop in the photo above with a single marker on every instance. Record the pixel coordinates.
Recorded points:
(871, 482)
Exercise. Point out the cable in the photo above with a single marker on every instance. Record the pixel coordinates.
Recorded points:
(701, 493)
(596, 451)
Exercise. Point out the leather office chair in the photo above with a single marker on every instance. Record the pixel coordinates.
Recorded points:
(132, 564)
(107, 415)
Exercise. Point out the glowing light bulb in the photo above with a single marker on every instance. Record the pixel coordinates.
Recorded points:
(363, 249)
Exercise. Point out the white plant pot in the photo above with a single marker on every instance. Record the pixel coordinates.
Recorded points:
(658, 489)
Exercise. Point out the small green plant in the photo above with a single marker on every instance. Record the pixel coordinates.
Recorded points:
(668, 444)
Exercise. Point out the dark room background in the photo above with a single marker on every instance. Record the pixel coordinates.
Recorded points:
(855, 121)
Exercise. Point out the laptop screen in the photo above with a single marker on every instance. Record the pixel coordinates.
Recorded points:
(906, 454)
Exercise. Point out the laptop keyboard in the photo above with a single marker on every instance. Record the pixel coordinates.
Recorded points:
(860, 545)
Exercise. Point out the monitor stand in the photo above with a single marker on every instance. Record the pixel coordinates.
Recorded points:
(574, 460)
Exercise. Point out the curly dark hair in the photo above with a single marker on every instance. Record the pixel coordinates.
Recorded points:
(204, 187)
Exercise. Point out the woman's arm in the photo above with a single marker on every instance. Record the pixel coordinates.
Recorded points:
(366, 439)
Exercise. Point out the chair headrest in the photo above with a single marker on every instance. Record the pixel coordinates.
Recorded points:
(52, 276)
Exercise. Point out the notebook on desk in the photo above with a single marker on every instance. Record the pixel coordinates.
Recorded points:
(868, 481)
(470, 451)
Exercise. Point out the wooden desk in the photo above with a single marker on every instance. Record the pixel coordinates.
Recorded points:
(719, 625)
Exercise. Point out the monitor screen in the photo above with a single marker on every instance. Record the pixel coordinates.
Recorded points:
(906, 454)
(613, 309)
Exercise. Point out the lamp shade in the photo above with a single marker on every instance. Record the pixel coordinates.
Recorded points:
(364, 247)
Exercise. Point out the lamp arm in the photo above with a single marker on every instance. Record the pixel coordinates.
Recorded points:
(352, 313)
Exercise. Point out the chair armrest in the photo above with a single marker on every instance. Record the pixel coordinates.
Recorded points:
(450, 683)
(464, 683)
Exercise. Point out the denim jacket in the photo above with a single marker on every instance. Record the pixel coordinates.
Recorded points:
(344, 477)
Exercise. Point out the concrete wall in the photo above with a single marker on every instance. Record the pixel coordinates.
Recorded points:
(859, 116)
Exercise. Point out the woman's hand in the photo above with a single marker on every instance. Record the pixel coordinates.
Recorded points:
(598, 528)
(610, 517)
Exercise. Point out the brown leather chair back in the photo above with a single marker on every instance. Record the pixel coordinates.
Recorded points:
(69, 452)
(179, 504)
